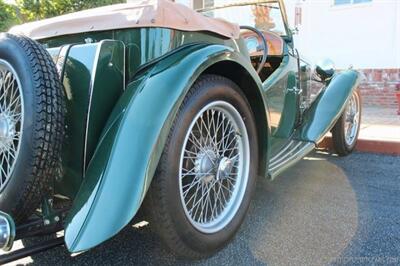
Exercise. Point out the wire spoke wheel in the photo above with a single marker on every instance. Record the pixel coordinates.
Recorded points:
(214, 167)
(11, 120)
(31, 125)
(352, 119)
(207, 171)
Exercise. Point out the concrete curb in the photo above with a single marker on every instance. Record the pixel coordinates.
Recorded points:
(368, 145)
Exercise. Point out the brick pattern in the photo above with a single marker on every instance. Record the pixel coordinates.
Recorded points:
(378, 88)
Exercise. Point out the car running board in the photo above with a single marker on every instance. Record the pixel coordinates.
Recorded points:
(287, 157)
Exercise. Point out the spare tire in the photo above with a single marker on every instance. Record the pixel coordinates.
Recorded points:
(31, 124)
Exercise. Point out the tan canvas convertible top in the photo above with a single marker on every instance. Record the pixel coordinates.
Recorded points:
(141, 13)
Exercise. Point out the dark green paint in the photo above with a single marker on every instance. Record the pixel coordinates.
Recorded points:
(77, 81)
(94, 79)
(123, 90)
(328, 107)
(127, 156)
(280, 92)
(144, 45)
(290, 114)
(136, 47)
(107, 86)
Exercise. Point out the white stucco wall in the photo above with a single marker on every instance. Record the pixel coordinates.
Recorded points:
(185, 2)
(363, 35)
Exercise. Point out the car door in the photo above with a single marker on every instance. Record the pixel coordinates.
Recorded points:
(282, 91)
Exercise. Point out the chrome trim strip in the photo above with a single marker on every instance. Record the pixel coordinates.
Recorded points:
(273, 159)
(62, 59)
(287, 155)
(92, 78)
(294, 158)
(124, 81)
(287, 158)
(60, 65)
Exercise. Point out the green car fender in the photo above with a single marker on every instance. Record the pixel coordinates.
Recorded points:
(328, 106)
(132, 142)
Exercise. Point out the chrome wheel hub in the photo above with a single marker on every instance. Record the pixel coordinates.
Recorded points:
(11, 120)
(352, 119)
(214, 167)
(225, 168)
(209, 167)
(205, 164)
(7, 130)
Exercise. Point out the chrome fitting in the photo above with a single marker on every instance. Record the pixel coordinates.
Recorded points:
(7, 231)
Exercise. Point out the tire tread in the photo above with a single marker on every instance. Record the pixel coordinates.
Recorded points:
(49, 129)
(155, 203)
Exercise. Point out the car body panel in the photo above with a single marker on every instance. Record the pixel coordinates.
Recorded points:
(143, 45)
(78, 69)
(90, 92)
(327, 108)
(289, 117)
(112, 175)
(280, 90)
(93, 78)
(123, 90)
(107, 85)
(126, 158)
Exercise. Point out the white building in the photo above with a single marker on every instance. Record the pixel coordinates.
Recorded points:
(362, 33)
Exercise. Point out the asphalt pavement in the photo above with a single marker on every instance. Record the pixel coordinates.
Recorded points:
(325, 210)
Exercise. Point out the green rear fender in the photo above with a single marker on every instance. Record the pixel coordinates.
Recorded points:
(131, 144)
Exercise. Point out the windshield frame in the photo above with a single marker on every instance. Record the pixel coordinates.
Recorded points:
(254, 2)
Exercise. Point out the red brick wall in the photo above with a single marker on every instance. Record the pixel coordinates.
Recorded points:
(378, 88)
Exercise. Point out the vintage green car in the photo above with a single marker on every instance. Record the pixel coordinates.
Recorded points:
(155, 106)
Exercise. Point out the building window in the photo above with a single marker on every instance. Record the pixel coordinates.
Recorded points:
(298, 16)
(196, 4)
(185, 2)
(347, 2)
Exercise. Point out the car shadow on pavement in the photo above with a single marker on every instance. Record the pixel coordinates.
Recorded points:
(315, 213)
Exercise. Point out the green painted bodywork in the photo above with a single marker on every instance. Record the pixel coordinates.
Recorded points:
(126, 158)
(144, 45)
(123, 90)
(282, 97)
(93, 85)
(94, 79)
(79, 66)
(328, 107)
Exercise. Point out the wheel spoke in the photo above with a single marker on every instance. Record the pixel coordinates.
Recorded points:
(352, 120)
(11, 115)
(213, 145)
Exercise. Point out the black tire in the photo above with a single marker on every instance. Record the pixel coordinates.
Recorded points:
(42, 128)
(340, 145)
(163, 203)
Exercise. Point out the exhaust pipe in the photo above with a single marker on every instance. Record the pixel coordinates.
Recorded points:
(7, 231)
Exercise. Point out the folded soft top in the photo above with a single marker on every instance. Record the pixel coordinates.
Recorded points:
(140, 13)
